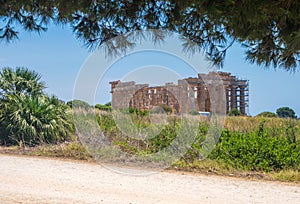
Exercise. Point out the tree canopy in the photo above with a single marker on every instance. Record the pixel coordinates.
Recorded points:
(286, 112)
(268, 30)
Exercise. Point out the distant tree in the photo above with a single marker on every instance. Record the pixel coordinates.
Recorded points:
(286, 112)
(234, 112)
(78, 104)
(108, 104)
(267, 114)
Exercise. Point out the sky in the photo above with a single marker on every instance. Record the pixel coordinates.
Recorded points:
(60, 58)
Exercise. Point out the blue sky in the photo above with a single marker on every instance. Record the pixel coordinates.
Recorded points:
(58, 56)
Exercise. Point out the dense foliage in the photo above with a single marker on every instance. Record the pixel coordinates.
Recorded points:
(103, 107)
(257, 144)
(27, 115)
(257, 151)
(269, 31)
(286, 112)
(20, 81)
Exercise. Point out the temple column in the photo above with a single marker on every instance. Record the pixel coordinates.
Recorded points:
(233, 98)
(242, 100)
(201, 97)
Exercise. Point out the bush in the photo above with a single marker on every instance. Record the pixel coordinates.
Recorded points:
(35, 120)
(267, 114)
(78, 104)
(138, 112)
(103, 107)
(235, 112)
(27, 115)
(257, 151)
(268, 144)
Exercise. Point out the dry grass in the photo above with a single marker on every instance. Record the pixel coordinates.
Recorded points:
(287, 175)
(70, 150)
(210, 167)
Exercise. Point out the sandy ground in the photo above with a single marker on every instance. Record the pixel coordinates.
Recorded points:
(41, 180)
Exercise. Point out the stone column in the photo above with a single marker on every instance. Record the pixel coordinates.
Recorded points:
(201, 94)
(207, 101)
(242, 100)
(227, 99)
(233, 98)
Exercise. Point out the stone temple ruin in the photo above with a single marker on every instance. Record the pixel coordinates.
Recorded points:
(215, 92)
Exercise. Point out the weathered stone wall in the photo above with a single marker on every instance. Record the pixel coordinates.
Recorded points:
(217, 92)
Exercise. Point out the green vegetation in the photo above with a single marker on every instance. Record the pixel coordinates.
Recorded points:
(263, 147)
(138, 111)
(78, 104)
(257, 151)
(252, 147)
(286, 112)
(235, 112)
(267, 114)
(269, 32)
(105, 107)
(27, 115)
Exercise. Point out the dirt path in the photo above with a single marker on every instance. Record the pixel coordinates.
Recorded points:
(39, 180)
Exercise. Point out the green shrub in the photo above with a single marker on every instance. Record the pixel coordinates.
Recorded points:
(78, 104)
(138, 112)
(269, 144)
(257, 151)
(36, 120)
(235, 112)
(267, 114)
(103, 107)
(27, 115)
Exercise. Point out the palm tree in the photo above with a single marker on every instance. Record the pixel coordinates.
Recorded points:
(27, 115)
(36, 120)
(20, 80)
